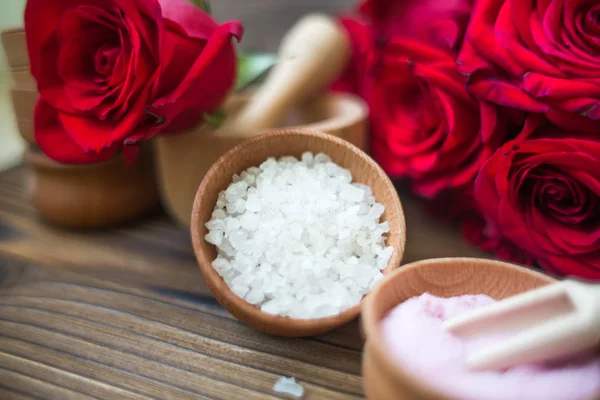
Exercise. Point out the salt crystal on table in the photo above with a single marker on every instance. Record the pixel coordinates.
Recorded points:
(288, 386)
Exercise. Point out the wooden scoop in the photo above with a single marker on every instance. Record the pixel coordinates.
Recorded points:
(551, 322)
(312, 54)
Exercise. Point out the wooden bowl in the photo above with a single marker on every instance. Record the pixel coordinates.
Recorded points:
(446, 277)
(184, 158)
(22, 79)
(252, 153)
(15, 47)
(23, 102)
(92, 196)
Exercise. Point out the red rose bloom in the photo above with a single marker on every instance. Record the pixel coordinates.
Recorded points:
(542, 192)
(115, 72)
(425, 124)
(441, 23)
(537, 56)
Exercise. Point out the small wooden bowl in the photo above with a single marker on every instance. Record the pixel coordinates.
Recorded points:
(22, 79)
(446, 277)
(24, 101)
(15, 47)
(184, 158)
(93, 196)
(252, 153)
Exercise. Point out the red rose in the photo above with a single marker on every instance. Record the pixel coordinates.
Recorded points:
(537, 56)
(425, 124)
(474, 229)
(441, 23)
(542, 192)
(115, 72)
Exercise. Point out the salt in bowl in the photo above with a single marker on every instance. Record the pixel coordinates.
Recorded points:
(253, 152)
(383, 378)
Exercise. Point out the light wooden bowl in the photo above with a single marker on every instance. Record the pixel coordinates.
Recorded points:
(15, 47)
(252, 153)
(93, 196)
(184, 158)
(446, 277)
(22, 79)
(23, 102)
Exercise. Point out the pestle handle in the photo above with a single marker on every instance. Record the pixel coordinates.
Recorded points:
(312, 54)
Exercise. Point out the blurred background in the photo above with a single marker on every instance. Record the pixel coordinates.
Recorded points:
(266, 21)
(11, 145)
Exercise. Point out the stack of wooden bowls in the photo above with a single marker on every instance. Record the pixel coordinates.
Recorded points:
(77, 197)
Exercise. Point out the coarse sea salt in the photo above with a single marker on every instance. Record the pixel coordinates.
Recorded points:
(298, 238)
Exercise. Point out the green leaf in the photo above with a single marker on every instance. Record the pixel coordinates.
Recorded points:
(203, 4)
(253, 68)
(216, 118)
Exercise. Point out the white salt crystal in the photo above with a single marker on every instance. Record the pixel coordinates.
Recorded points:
(221, 265)
(376, 211)
(248, 178)
(215, 237)
(385, 227)
(351, 193)
(239, 290)
(288, 386)
(215, 224)
(307, 158)
(250, 221)
(253, 203)
(298, 238)
(218, 214)
(231, 208)
(255, 296)
(384, 257)
(240, 205)
(236, 191)
(232, 224)
(322, 158)
(271, 307)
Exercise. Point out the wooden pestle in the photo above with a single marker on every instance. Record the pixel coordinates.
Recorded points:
(311, 55)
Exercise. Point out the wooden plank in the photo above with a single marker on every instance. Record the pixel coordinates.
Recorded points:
(72, 381)
(147, 343)
(37, 388)
(14, 394)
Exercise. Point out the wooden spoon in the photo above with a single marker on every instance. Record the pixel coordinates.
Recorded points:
(312, 54)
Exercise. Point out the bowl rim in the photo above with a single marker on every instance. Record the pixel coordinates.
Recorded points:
(245, 311)
(357, 114)
(35, 156)
(12, 30)
(370, 324)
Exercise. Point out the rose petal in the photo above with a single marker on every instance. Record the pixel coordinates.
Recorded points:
(209, 79)
(57, 144)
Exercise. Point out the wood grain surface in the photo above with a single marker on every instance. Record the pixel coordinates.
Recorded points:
(125, 314)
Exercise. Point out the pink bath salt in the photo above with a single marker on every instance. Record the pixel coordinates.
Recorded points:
(418, 343)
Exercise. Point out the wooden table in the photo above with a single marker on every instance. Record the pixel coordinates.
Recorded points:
(124, 314)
